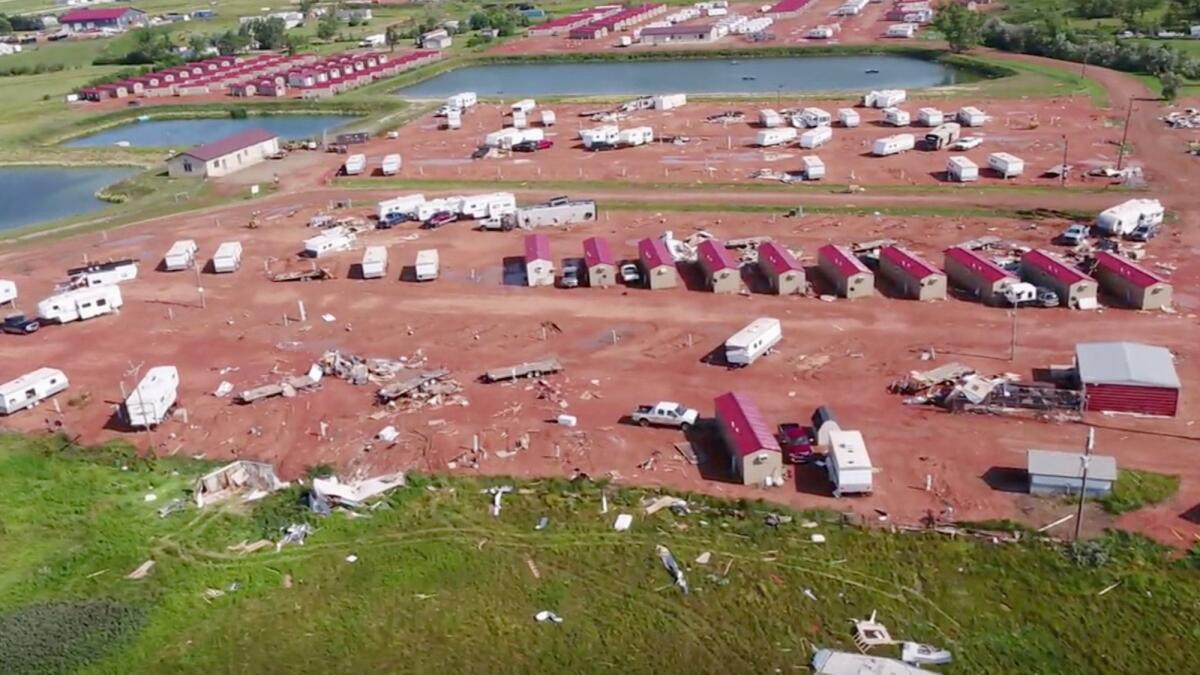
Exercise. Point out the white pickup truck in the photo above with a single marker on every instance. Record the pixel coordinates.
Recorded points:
(665, 414)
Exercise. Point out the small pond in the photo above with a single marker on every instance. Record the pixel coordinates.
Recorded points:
(176, 133)
(36, 194)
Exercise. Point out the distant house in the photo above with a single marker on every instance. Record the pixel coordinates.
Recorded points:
(754, 453)
(1131, 283)
(355, 14)
(601, 266)
(225, 156)
(1052, 472)
(658, 265)
(977, 274)
(436, 39)
(845, 272)
(657, 35)
(784, 273)
(721, 271)
(913, 276)
(1074, 288)
(116, 18)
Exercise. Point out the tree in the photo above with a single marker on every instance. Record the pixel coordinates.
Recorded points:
(392, 37)
(269, 34)
(962, 27)
(327, 27)
(198, 44)
(1170, 84)
(232, 42)
(5, 25)
(295, 44)
(307, 6)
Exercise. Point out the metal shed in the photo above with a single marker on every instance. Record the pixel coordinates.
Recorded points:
(977, 274)
(911, 274)
(1075, 289)
(754, 452)
(1128, 377)
(721, 272)
(539, 266)
(1054, 472)
(658, 265)
(783, 272)
(601, 266)
(1132, 284)
(845, 271)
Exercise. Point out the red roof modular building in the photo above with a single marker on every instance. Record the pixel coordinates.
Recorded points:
(658, 265)
(225, 156)
(845, 271)
(1130, 283)
(539, 266)
(601, 265)
(787, 8)
(754, 453)
(1075, 289)
(564, 24)
(911, 275)
(1128, 377)
(784, 274)
(114, 18)
(721, 272)
(977, 274)
(588, 32)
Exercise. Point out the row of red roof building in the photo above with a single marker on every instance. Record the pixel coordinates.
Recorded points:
(620, 20)
(909, 274)
(264, 75)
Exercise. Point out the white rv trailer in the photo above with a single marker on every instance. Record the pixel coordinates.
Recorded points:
(896, 117)
(1005, 164)
(902, 30)
(848, 463)
(8, 291)
(769, 119)
(329, 241)
(814, 168)
(454, 118)
(930, 117)
(492, 204)
(426, 268)
(669, 101)
(102, 274)
(549, 119)
(228, 257)
(820, 33)
(848, 117)
(815, 138)
(407, 205)
(813, 117)
(425, 210)
(80, 304)
(961, 170)
(391, 164)
(374, 262)
(462, 100)
(635, 136)
(942, 135)
(355, 164)
(885, 98)
(605, 134)
(893, 145)
(520, 119)
(31, 389)
(148, 404)
(768, 137)
(748, 344)
(1126, 216)
(181, 256)
(970, 116)
(524, 105)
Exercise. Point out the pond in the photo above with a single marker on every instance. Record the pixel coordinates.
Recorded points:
(692, 76)
(186, 133)
(35, 194)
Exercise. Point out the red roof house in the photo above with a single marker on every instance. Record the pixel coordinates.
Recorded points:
(982, 277)
(754, 452)
(601, 265)
(784, 273)
(912, 275)
(721, 271)
(845, 271)
(1074, 288)
(113, 18)
(658, 265)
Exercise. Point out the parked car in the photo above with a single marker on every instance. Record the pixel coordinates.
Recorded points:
(601, 147)
(393, 219)
(1144, 232)
(439, 219)
(533, 146)
(797, 442)
(19, 324)
(630, 274)
(570, 274)
(665, 414)
(1074, 235)
(481, 152)
(1046, 297)
(967, 143)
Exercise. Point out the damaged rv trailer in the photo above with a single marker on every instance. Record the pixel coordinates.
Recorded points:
(98, 274)
(893, 145)
(256, 478)
(769, 137)
(752, 342)
(31, 389)
(80, 304)
(426, 267)
(148, 404)
(331, 240)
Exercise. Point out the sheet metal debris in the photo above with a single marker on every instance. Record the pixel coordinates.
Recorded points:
(672, 566)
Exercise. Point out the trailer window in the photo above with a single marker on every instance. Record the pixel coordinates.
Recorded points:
(30, 393)
(101, 302)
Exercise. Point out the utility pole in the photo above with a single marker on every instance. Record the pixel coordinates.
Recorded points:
(1012, 346)
(1124, 134)
(1066, 144)
(1084, 462)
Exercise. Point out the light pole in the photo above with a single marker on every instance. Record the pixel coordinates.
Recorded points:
(1084, 462)
(1124, 134)
(1066, 144)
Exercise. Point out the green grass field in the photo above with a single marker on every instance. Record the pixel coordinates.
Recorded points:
(439, 585)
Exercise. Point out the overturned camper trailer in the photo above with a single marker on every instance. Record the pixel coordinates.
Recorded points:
(99, 274)
(768, 137)
(329, 241)
(80, 304)
(148, 404)
(815, 138)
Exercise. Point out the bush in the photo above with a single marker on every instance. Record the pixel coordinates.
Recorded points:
(63, 636)
(1135, 489)
(238, 113)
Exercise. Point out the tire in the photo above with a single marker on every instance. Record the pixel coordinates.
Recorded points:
(644, 422)
(685, 427)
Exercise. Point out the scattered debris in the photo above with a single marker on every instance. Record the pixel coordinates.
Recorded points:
(497, 493)
(817, 538)
(958, 388)
(538, 368)
(546, 615)
(688, 453)
(388, 434)
(661, 503)
(703, 558)
(351, 558)
(870, 633)
(223, 389)
(141, 571)
(1109, 587)
(239, 476)
(832, 662)
(174, 506)
(533, 568)
(923, 655)
(669, 562)
(1182, 119)
(810, 595)
(542, 523)
(286, 388)
(328, 318)
(294, 534)
(623, 522)
(353, 494)
(313, 274)
(244, 547)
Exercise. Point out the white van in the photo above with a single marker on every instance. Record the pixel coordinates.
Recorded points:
(751, 342)
(80, 304)
(848, 463)
(228, 257)
(150, 402)
(181, 256)
(31, 389)
(374, 262)
(427, 265)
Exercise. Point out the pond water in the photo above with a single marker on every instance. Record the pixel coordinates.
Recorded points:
(35, 194)
(692, 76)
(186, 133)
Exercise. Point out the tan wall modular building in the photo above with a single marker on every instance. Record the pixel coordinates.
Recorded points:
(784, 274)
(911, 274)
(845, 271)
(721, 271)
(658, 265)
(1131, 284)
(978, 275)
(225, 156)
(754, 452)
(1074, 288)
(601, 266)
